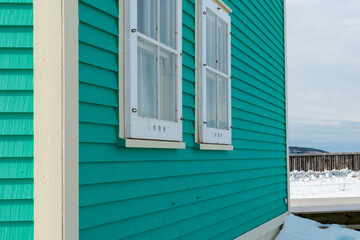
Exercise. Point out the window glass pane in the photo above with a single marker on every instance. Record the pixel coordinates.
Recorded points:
(222, 45)
(223, 103)
(167, 22)
(146, 17)
(167, 86)
(211, 39)
(211, 99)
(146, 79)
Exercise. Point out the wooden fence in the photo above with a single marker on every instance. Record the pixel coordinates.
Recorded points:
(328, 161)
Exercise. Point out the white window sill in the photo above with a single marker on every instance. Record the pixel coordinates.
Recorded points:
(139, 143)
(220, 147)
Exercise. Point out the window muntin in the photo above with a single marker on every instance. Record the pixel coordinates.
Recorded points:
(153, 69)
(214, 75)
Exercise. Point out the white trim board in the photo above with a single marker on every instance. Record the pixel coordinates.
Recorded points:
(56, 122)
(286, 110)
(268, 230)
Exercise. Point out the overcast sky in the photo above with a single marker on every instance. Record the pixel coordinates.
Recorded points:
(324, 74)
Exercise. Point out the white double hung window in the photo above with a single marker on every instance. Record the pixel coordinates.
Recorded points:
(214, 49)
(153, 64)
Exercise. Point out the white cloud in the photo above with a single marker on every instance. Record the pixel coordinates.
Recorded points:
(323, 62)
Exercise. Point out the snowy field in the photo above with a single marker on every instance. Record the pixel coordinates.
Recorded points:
(296, 228)
(327, 184)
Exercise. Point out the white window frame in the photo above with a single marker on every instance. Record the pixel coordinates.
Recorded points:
(207, 134)
(138, 127)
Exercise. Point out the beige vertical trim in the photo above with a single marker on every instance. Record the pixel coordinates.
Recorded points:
(266, 230)
(56, 140)
(197, 6)
(287, 106)
(121, 72)
(71, 114)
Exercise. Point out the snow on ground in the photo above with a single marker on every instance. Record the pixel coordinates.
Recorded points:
(296, 228)
(334, 183)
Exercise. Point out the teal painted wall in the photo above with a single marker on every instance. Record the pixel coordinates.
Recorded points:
(185, 194)
(16, 120)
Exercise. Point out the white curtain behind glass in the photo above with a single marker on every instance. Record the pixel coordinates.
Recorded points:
(222, 103)
(222, 45)
(167, 86)
(146, 17)
(167, 22)
(211, 39)
(146, 79)
(211, 108)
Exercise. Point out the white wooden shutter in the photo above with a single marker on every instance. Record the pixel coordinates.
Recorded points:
(144, 127)
(213, 134)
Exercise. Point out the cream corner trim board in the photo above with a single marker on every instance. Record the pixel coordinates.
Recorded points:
(56, 202)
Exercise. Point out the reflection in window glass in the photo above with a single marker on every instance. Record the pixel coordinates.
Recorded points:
(211, 99)
(211, 39)
(146, 17)
(222, 103)
(167, 86)
(146, 79)
(167, 22)
(222, 45)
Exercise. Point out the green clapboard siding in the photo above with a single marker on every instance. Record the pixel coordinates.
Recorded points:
(16, 120)
(184, 194)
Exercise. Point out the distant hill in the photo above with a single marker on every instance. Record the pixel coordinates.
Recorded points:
(302, 150)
